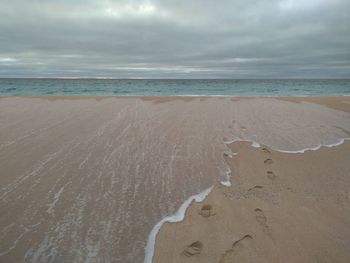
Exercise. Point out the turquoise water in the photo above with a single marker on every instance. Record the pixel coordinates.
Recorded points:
(117, 87)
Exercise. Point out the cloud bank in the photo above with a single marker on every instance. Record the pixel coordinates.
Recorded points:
(175, 39)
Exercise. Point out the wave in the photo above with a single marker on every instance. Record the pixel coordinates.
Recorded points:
(257, 145)
(341, 141)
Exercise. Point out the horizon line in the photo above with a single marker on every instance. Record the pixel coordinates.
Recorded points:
(138, 78)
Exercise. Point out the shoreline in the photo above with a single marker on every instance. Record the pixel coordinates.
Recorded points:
(194, 222)
(200, 197)
(86, 133)
(335, 102)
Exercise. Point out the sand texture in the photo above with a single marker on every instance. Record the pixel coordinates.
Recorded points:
(281, 208)
(87, 179)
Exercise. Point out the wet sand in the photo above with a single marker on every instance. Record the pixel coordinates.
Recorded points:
(86, 179)
(338, 103)
(281, 208)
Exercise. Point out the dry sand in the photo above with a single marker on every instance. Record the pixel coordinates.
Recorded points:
(281, 208)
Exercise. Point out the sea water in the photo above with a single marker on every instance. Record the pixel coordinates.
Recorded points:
(172, 87)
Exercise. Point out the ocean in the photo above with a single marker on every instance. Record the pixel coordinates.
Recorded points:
(173, 87)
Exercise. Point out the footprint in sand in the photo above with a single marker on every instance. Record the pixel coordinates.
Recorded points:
(265, 150)
(242, 250)
(261, 218)
(268, 161)
(259, 192)
(255, 188)
(271, 175)
(193, 249)
(207, 211)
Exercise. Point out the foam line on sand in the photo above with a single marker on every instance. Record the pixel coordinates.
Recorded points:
(177, 217)
(180, 214)
(257, 145)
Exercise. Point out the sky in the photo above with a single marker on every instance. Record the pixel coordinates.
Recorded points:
(175, 38)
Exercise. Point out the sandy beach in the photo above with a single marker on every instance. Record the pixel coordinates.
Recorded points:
(87, 179)
(148, 131)
(281, 208)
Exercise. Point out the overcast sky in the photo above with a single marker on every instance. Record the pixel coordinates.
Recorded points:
(175, 38)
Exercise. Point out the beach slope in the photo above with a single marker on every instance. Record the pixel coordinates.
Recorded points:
(281, 208)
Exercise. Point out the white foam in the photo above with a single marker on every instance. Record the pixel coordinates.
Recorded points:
(177, 217)
(230, 155)
(226, 183)
(341, 141)
(255, 145)
(229, 142)
(55, 199)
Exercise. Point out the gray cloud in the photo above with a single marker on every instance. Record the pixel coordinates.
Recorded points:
(183, 38)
